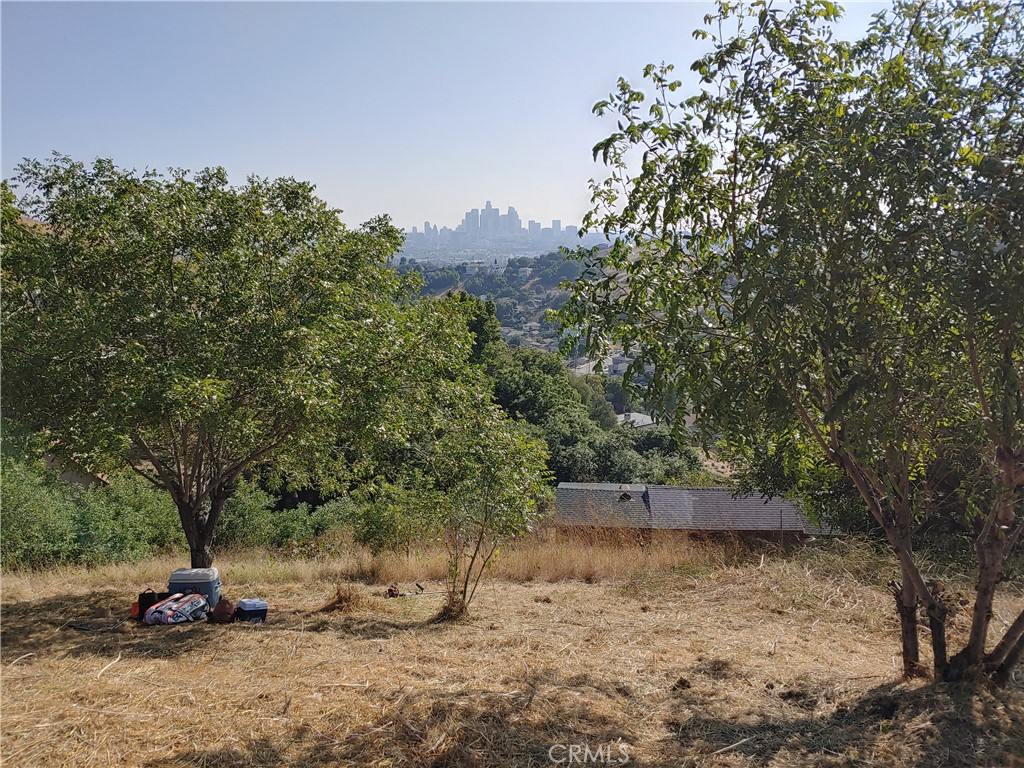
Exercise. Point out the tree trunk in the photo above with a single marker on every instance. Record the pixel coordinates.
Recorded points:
(937, 625)
(198, 534)
(970, 657)
(1013, 638)
(202, 556)
(906, 607)
(991, 547)
(1004, 671)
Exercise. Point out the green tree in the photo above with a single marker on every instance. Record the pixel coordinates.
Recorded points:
(482, 321)
(822, 246)
(491, 478)
(189, 329)
(591, 391)
(463, 473)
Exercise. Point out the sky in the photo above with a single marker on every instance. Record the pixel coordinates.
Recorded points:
(418, 110)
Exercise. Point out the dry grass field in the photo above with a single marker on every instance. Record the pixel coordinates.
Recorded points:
(675, 655)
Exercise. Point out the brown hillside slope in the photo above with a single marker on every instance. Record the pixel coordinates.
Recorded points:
(774, 662)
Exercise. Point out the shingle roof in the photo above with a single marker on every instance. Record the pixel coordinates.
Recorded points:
(715, 509)
(674, 508)
(608, 505)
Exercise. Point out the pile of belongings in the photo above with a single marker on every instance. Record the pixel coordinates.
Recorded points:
(193, 594)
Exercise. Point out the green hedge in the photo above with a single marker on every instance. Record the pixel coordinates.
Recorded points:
(46, 521)
(250, 520)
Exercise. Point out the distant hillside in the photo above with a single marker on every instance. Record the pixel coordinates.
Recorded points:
(522, 291)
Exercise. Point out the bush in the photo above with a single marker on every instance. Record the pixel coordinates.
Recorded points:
(124, 521)
(248, 519)
(46, 521)
(37, 524)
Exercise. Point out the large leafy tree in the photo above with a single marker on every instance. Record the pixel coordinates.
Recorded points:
(190, 329)
(821, 248)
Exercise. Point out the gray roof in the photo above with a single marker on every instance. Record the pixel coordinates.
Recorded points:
(674, 508)
(610, 505)
(715, 509)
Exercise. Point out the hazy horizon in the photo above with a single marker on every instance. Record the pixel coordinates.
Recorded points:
(418, 110)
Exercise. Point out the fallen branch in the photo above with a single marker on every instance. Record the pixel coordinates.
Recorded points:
(343, 685)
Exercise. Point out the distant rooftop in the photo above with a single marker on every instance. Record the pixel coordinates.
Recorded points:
(674, 508)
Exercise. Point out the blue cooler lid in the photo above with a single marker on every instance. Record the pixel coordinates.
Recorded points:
(252, 604)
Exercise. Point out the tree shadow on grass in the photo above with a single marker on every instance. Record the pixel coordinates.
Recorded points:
(68, 625)
(935, 726)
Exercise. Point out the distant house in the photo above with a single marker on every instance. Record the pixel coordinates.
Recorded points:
(633, 419)
(676, 508)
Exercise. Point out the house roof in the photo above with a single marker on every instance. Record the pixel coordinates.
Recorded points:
(715, 509)
(635, 419)
(610, 505)
(674, 508)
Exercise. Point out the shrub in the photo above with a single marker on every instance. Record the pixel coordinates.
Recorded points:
(47, 521)
(126, 520)
(37, 525)
(248, 519)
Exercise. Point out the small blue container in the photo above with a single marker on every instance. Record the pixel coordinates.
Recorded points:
(251, 609)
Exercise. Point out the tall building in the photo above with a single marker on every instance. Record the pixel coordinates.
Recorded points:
(556, 226)
(489, 220)
(471, 222)
(514, 223)
(533, 228)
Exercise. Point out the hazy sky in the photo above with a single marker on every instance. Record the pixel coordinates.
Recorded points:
(419, 110)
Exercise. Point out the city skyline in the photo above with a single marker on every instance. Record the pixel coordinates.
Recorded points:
(486, 233)
(490, 222)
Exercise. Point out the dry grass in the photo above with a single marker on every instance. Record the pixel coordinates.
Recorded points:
(346, 599)
(705, 656)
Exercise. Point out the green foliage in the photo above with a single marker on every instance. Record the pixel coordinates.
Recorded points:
(490, 477)
(396, 516)
(592, 393)
(190, 329)
(821, 249)
(38, 521)
(47, 521)
(482, 322)
(784, 469)
(248, 519)
(463, 473)
(517, 298)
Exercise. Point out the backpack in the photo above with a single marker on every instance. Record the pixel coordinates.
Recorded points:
(178, 608)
